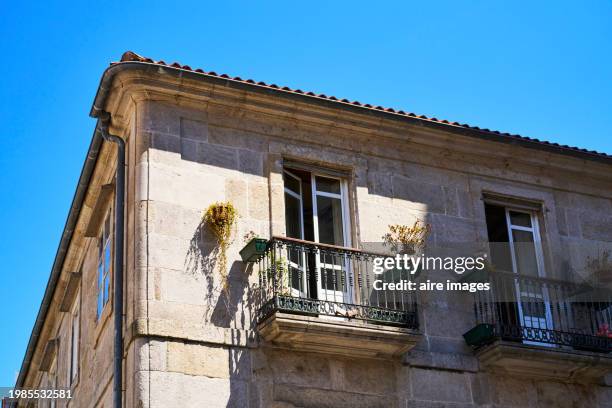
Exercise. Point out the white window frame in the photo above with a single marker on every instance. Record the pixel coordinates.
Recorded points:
(294, 291)
(326, 294)
(298, 197)
(526, 320)
(75, 334)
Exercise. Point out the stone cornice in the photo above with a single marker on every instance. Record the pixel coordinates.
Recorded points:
(132, 62)
(135, 86)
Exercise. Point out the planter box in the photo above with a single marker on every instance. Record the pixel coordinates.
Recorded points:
(253, 250)
(480, 335)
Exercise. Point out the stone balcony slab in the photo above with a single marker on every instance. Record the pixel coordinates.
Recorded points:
(338, 336)
(555, 363)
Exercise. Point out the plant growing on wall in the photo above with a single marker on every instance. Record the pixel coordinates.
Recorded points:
(406, 239)
(249, 236)
(220, 218)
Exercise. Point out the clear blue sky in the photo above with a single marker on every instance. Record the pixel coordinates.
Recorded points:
(540, 69)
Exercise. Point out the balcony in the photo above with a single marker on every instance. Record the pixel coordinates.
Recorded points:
(542, 327)
(321, 298)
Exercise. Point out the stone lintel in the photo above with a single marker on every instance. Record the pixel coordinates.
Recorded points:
(99, 210)
(49, 354)
(70, 292)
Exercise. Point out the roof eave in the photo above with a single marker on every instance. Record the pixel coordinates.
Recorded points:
(464, 130)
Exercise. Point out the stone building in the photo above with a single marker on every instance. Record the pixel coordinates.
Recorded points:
(316, 178)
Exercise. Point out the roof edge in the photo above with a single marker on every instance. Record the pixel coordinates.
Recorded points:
(60, 256)
(130, 60)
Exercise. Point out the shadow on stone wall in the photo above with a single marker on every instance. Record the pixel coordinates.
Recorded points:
(201, 260)
(234, 308)
(213, 145)
(239, 301)
(239, 371)
(239, 298)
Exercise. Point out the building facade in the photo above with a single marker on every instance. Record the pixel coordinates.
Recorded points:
(317, 179)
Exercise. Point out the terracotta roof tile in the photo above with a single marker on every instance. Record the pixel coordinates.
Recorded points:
(130, 56)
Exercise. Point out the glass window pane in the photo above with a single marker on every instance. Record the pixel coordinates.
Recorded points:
(328, 185)
(107, 258)
(329, 213)
(100, 273)
(100, 300)
(520, 219)
(524, 250)
(106, 286)
(293, 219)
(291, 183)
(522, 236)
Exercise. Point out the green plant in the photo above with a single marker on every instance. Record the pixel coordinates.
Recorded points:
(407, 239)
(220, 218)
(249, 236)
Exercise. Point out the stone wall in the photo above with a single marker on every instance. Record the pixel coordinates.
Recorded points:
(202, 346)
(188, 343)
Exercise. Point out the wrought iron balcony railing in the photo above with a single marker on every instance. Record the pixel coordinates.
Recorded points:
(309, 278)
(540, 311)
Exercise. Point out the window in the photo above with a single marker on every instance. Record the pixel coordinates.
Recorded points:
(316, 209)
(514, 240)
(104, 263)
(73, 369)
